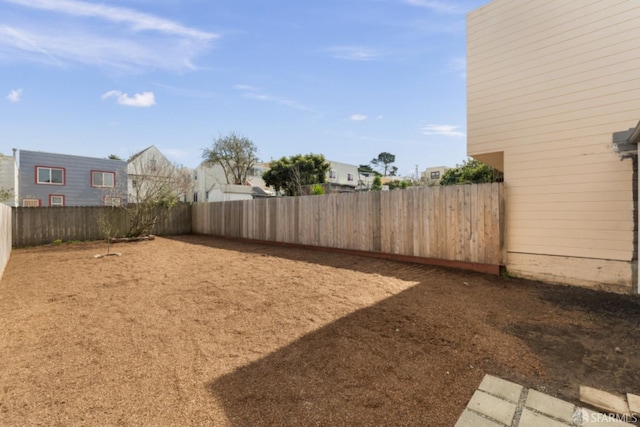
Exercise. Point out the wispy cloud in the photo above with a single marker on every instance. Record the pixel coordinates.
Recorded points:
(444, 130)
(89, 36)
(144, 99)
(15, 95)
(438, 6)
(252, 92)
(358, 117)
(354, 53)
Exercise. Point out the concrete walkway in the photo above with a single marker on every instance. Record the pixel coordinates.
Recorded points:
(501, 403)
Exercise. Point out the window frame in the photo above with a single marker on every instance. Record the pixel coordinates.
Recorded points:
(434, 175)
(112, 173)
(62, 200)
(351, 177)
(51, 168)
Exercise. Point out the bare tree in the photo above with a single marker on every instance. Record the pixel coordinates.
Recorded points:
(236, 155)
(154, 185)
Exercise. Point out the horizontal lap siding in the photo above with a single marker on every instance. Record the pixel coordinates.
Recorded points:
(459, 223)
(549, 83)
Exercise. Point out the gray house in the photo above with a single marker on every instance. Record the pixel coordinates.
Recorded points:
(48, 179)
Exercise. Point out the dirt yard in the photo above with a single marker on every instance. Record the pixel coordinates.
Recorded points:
(199, 331)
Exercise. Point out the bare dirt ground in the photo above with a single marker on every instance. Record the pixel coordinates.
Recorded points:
(195, 330)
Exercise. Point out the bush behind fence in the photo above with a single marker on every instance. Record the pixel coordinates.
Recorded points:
(36, 226)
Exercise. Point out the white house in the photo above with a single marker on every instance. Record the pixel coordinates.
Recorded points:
(213, 185)
(149, 168)
(9, 178)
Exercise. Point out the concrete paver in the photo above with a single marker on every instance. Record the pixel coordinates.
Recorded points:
(533, 419)
(493, 407)
(471, 419)
(501, 388)
(550, 405)
(498, 403)
(634, 403)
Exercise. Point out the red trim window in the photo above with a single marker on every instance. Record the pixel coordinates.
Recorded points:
(50, 175)
(103, 179)
(56, 200)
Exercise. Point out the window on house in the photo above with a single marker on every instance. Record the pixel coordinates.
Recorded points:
(103, 179)
(435, 175)
(195, 175)
(46, 175)
(350, 177)
(195, 196)
(55, 200)
(333, 174)
(112, 201)
(31, 203)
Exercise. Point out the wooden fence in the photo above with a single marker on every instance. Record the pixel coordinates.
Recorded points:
(460, 224)
(5, 236)
(36, 226)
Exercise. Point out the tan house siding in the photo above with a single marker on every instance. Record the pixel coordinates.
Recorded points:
(549, 83)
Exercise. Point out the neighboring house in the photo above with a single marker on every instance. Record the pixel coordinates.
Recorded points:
(549, 86)
(433, 175)
(149, 169)
(48, 179)
(212, 184)
(344, 178)
(9, 178)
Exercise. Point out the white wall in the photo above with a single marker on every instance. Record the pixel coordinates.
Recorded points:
(5, 236)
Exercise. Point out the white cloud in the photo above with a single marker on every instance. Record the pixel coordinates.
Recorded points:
(100, 35)
(358, 117)
(144, 99)
(379, 117)
(438, 6)
(354, 53)
(445, 130)
(15, 95)
(251, 92)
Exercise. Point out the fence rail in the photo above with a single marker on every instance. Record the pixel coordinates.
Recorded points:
(458, 223)
(36, 226)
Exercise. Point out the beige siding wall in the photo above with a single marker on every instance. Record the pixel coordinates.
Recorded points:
(549, 82)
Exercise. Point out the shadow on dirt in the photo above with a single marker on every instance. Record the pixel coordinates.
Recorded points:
(415, 358)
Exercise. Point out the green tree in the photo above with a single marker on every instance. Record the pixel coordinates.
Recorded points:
(471, 171)
(235, 154)
(385, 161)
(290, 174)
(114, 157)
(377, 183)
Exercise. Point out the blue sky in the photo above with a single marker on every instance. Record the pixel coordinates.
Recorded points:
(345, 78)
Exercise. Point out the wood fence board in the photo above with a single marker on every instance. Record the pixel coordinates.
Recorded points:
(456, 223)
